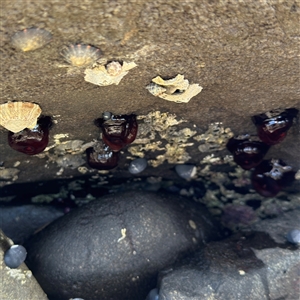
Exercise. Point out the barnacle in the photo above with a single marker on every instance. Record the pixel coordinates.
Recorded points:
(107, 74)
(16, 116)
(163, 124)
(31, 39)
(176, 89)
(215, 138)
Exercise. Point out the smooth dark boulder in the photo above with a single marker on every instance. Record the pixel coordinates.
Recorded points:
(114, 247)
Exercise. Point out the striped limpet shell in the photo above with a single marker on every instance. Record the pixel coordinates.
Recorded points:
(81, 55)
(31, 39)
(16, 116)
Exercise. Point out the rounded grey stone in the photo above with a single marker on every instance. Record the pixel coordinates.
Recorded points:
(293, 236)
(106, 115)
(137, 166)
(153, 295)
(15, 256)
(186, 171)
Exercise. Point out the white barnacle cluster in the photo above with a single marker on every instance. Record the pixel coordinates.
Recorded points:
(66, 154)
(8, 174)
(177, 89)
(108, 73)
(172, 143)
(215, 138)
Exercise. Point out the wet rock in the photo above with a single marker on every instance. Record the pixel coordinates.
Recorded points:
(246, 266)
(17, 283)
(19, 222)
(278, 228)
(113, 247)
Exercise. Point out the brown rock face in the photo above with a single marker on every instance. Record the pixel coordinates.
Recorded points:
(245, 56)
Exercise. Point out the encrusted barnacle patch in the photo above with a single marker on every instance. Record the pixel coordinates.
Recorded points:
(215, 138)
(108, 73)
(176, 89)
(173, 142)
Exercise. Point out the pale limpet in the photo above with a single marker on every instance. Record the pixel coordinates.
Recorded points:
(16, 116)
(81, 55)
(31, 39)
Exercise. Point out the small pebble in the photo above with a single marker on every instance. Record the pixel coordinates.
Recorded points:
(153, 295)
(137, 166)
(15, 256)
(106, 115)
(293, 236)
(186, 171)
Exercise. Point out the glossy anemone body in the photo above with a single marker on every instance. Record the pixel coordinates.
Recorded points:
(272, 127)
(247, 153)
(31, 141)
(271, 176)
(101, 157)
(118, 131)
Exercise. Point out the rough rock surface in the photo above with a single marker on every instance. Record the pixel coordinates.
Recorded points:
(278, 227)
(232, 270)
(245, 55)
(17, 283)
(113, 247)
(246, 266)
(19, 222)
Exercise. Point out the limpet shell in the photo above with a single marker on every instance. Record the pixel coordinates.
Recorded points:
(177, 89)
(109, 74)
(81, 55)
(31, 39)
(16, 116)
